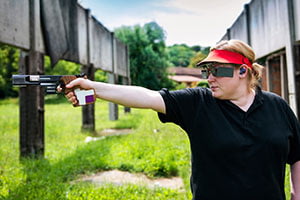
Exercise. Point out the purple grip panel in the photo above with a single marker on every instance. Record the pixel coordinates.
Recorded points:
(89, 99)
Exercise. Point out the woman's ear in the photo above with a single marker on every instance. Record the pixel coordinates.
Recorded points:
(243, 70)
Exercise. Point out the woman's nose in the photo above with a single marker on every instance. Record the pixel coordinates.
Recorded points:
(210, 77)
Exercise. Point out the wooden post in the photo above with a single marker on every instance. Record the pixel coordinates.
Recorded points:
(32, 97)
(113, 79)
(88, 111)
(32, 108)
(125, 81)
(113, 108)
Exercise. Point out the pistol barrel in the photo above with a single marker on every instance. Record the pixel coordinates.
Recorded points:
(50, 82)
(34, 79)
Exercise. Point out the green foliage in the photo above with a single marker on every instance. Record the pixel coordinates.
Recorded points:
(203, 84)
(184, 56)
(180, 86)
(197, 58)
(67, 68)
(101, 76)
(61, 68)
(180, 55)
(196, 48)
(147, 52)
(9, 62)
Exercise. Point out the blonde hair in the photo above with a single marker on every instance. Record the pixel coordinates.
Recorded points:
(244, 49)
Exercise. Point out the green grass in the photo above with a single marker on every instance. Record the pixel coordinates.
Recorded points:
(155, 153)
(163, 152)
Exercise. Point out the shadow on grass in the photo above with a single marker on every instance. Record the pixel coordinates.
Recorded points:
(46, 181)
(55, 99)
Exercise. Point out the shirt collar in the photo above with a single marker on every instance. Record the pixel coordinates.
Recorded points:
(257, 102)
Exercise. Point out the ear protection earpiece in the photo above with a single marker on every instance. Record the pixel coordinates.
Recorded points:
(242, 70)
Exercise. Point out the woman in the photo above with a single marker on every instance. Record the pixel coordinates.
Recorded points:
(241, 137)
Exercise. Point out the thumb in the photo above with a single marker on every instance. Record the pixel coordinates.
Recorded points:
(74, 83)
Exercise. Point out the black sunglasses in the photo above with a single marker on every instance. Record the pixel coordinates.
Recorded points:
(216, 70)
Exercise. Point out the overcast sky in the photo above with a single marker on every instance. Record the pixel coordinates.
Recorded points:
(193, 22)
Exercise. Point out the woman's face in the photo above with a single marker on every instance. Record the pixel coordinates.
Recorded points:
(225, 87)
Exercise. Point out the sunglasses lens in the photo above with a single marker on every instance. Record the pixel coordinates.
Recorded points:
(217, 71)
(224, 72)
(204, 73)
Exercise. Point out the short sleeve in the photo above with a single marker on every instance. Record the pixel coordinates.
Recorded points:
(182, 105)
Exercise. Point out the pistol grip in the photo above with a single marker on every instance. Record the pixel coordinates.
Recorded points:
(84, 97)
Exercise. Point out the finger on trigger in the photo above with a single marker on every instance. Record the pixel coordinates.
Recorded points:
(70, 94)
(74, 100)
(58, 88)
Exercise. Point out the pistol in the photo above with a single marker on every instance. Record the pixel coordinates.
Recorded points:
(50, 83)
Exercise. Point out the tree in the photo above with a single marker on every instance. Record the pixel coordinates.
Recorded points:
(65, 67)
(147, 52)
(61, 68)
(180, 55)
(184, 56)
(9, 62)
(197, 58)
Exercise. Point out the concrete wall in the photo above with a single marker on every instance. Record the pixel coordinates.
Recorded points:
(272, 26)
(267, 22)
(296, 5)
(239, 28)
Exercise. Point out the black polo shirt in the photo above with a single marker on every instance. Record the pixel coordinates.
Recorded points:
(236, 155)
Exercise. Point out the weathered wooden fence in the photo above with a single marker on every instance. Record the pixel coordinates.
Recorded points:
(62, 29)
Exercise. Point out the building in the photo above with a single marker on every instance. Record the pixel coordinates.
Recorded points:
(188, 76)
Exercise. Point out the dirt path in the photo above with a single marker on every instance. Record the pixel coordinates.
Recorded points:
(120, 178)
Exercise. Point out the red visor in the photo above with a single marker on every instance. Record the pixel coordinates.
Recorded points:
(224, 56)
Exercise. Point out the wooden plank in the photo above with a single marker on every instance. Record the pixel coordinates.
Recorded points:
(69, 11)
(121, 58)
(106, 49)
(100, 46)
(83, 16)
(38, 44)
(113, 108)
(14, 23)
